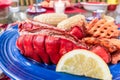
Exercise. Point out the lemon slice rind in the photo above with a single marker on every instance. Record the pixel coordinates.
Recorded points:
(85, 63)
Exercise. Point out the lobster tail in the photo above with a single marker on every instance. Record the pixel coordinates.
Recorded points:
(45, 43)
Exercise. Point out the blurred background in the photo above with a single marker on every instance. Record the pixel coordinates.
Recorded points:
(17, 10)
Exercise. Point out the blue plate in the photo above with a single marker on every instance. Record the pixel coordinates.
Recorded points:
(18, 67)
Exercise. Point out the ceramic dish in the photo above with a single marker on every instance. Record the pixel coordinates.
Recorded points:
(92, 6)
(18, 67)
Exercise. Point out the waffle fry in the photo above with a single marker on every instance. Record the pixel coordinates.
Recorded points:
(115, 42)
(107, 43)
(102, 29)
(91, 24)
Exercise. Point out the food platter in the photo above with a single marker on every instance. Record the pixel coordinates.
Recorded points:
(41, 10)
(18, 67)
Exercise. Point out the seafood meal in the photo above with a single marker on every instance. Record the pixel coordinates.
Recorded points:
(47, 43)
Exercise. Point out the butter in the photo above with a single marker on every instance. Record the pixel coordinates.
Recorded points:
(112, 1)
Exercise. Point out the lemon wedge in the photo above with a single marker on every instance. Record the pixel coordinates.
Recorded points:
(85, 63)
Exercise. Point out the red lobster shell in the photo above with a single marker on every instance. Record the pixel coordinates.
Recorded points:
(46, 43)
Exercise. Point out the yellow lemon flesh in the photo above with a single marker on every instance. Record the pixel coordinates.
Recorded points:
(85, 63)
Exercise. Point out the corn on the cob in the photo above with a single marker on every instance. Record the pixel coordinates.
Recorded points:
(77, 20)
(51, 18)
